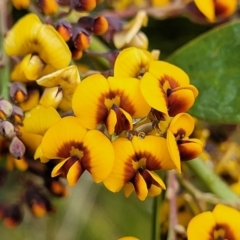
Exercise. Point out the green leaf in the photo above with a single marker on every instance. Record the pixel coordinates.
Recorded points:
(213, 64)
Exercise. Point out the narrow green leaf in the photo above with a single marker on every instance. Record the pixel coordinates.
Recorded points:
(213, 64)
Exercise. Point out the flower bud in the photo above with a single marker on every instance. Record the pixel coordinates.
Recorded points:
(17, 148)
(55, 187)
(12, 216)
(76, 54)
(51, 97)
(83, 5)
(6, 109)
(17, 115)
(38, 202)
(18, 92)
(48, 7)
(20, 4)
(64, 28)
(81, 39)
(100, 25)
(6, 129)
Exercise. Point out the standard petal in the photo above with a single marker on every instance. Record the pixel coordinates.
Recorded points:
(155, 152)
(40, 119)
(173, 150)
(131, 98)
(182, 124)
(98, 156)
(153, 92)
(201, 226)
(62, 138)
(137, 63)
(123, 170)
(88, 101)
(228, 219)
(169, 75)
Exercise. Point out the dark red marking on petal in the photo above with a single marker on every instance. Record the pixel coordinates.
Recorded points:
(172, 82)
(122, 122)
(228, 234)
(148, 178)
(188, 150)
(220, 9)
(65, 149)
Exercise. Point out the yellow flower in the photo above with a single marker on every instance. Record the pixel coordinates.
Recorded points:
(113, 101)
(167, 88)
(180, 146)
(216, 9)
(20, 4)
(134, 165)
(37, 39)
(68, 78)
(164, 86)
(221, 223)
(128, 238)
(79, 150)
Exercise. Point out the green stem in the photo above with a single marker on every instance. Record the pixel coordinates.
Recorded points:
(211, 180)
(4, 70)
(156, 218)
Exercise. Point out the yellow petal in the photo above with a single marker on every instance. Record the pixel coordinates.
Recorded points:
(180, 101)
(225, 8)
(207, 8)
(182, 121)
(128, 238)
(62, 138)
(68, 78)
(40, 119)
(57, 170)
(155, 152)
(39, 155)
(173, 150)
(167, 72)
(111, 122)
(189, 149)
(206, 222)
(20, 40)
(131, 99)
(88, 101)
(123, 170)
(74, 173)
(128, 189)
(98, 156)
(228, 218)
(32, 100)
(140, 186)
(138, 63)
(153, 92)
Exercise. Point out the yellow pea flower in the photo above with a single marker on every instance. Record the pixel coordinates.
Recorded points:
(79, 150)
(221, 223)
(135, 164)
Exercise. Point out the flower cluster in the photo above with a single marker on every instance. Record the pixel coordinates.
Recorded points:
(120, 128)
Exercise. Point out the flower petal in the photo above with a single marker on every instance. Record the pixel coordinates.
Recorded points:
(138, 63)
(131, 99)
(98, 159)
(182, 121)
(168, 73)
(123, 170)
(206, 8)
(173, 150)
(180, 101)
(40, 119)
(154, 150)
(206, 222)
(64, 135)
(57, 170)
(189, 149)
(228, 218)
(88, 101)
(74, 173)
(140, 186)
(153, 92)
